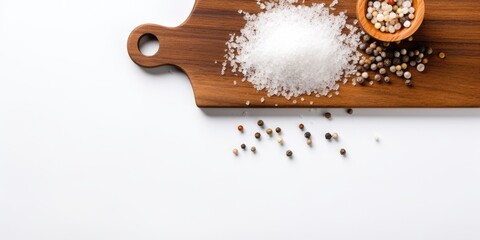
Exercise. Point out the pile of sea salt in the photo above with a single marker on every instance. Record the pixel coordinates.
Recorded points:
(290, 49)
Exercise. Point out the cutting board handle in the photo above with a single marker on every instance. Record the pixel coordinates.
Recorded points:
(167, 53)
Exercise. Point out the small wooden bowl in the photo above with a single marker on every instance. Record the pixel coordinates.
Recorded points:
(403, 33)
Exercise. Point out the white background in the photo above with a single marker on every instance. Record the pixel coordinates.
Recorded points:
(94, 147)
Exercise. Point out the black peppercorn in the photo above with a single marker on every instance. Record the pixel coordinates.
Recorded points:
(301, 126)
(350, 111)
(257, 135)
(343, 152)
(243, 146)
(240, 128)
(278, 130)
(289, 153)
(260, 123)
(269, 131)
(328, 115)
(308, 135)
(328, 136)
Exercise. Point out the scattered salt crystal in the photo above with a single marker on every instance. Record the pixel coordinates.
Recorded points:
(334, 3)
(311, 102)
(262, 100)
(302, 99)
(289, 51)
(247, 103)
(234, 82)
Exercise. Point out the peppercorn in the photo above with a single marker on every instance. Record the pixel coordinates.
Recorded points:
(289, 153)
(407, 75)
(328, 136)
(409, 83)
(328, 115)
(393, 69)
(343, 152)
(308, 135)
(260, 123)
(301, 126)
(420, 67)
(350, 111)
(382, 71)
(278, 130)
(387, 62)
(240, 128)
(442, 55)
(253, 149)
(309, 141)
(243, 146)
(269, 131)
(360, 80)
(411, 54)
(280, 140)
(429, 51)
(396, 61)
(335, 136)
(365, 75)
(235, 152)
(387, 79)
(257, 135)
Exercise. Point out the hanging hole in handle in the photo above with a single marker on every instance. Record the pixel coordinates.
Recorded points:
(148, 45)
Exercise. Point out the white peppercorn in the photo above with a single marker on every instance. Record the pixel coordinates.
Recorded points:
(393, 69)
(407, 75)
(421, 67)
(365, 75)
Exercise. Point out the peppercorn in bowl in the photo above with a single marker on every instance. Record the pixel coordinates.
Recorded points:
(390, 20)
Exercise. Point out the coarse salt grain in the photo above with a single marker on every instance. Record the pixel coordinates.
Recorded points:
(291, 49)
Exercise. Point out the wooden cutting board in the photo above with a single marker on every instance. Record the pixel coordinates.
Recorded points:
(452, 27)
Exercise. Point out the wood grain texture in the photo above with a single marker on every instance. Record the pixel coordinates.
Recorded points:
(402, 34)
(449, 26)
